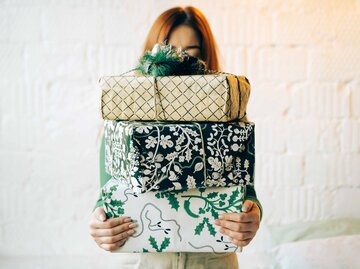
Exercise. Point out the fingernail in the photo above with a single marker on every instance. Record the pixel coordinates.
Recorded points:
(127, 220)
(217, 222)
(221, 230)
(132, 225)
(221, 217)
(102, 217)
(131, 231)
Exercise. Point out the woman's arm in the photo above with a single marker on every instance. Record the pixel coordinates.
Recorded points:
(251, 195)
(109, 234)
(242, 227)
(104, 177)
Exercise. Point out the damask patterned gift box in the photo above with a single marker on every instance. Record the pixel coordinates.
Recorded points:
(215, 97)
(160, 156)
(174, 221)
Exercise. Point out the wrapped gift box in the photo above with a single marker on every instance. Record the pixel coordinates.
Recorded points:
(174, 221)
(215, 98)
(160, 156)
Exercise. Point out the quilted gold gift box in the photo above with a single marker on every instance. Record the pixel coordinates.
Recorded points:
(212, 98)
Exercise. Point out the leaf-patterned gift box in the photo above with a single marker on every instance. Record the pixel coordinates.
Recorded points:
(174, 221)
(213, 97)
(160, 156)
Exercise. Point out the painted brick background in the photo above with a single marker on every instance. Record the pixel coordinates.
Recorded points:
(302, 58)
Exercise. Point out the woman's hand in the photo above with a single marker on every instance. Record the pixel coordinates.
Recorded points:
(241, 227)
(112, 233)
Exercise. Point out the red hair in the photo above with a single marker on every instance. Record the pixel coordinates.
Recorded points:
(168, 20)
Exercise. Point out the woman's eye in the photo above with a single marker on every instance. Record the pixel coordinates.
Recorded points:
(194, 52)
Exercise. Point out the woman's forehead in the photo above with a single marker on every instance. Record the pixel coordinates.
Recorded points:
(184, 36)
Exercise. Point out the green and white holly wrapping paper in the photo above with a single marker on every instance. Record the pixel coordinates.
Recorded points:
(174, 221)
(160, 156)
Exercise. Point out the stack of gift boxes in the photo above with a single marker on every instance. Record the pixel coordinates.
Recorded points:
(180, 152)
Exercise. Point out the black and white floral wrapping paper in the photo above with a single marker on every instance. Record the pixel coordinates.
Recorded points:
(163, 156)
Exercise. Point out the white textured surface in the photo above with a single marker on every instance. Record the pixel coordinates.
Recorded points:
(302, 60)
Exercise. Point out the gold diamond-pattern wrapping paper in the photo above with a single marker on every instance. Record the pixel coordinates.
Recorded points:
(213, 98)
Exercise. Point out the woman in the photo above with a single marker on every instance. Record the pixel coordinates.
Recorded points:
(185, 28)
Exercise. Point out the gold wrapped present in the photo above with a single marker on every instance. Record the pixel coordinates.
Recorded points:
(213, 97)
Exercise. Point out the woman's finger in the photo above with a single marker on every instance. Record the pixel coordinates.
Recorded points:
(237, 235)
(115, 238)
(99, 214)
(241, 243)
(237, 226)
(109, 223)
(239, 217)
(113, 246)
(247, 205)
(113, 231)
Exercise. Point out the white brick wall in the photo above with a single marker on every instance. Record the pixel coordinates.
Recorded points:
(301, 57)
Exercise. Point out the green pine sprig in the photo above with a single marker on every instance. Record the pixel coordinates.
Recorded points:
(164, 60)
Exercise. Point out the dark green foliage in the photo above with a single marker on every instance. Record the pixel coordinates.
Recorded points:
(187, 209)
(153, 242)
(109, 215)
(164, 60)
(200, 227)
(116, 203)
(223, 196)
(171, 197)
(173, 201)
(165, 243)
(214, 213)
(234, 195)
(211, 228)
(212, 195)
